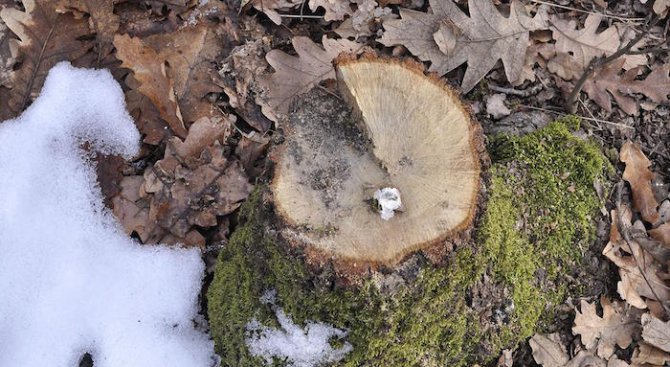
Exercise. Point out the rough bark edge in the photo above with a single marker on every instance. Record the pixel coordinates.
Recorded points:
(437, 251)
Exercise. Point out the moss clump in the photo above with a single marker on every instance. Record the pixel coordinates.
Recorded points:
(537, 222)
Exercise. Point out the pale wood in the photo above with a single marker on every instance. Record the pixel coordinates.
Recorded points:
(422, 142)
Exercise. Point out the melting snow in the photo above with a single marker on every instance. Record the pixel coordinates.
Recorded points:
(71, 281)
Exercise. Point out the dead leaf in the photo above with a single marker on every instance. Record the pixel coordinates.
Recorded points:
(240, 82)
(150, 72)
(649, 355)
(191, 54)
(639, 177)
(495, 106)
(102, 22)
(147, 118)
(582, 45)
(548, 350)
(195, 182)
(607, 79)
(46, 38)
(295, 75)
(586, 359)
(615, 327)
(656, 332)
(661, 234)
(270, 7)
(481, 39)
(656, 85)
(132, 212)
(661, 7)
(637, 268)
(335, 9)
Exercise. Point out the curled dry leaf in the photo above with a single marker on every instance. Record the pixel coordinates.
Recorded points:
(656, 332)
(616, 327)
(149, 70)
(46, 38)
(548, 350)
(480, 39)
(638, 271)
(195, 182)
(639, 176)
(295, 75)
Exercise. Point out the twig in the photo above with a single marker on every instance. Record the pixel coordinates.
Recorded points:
(624, 230)
(588, 12)
(571, 103)
(301, 16)
(581, 117)
(535, 89)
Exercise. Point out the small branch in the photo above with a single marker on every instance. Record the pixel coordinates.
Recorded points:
(624, 19)
(571, 103)
(535, 89)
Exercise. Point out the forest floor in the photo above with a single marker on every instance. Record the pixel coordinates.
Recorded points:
(220, 76)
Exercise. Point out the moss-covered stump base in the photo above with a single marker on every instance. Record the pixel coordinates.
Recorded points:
(490, 295)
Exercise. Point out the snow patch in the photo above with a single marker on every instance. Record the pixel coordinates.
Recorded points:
(71, 281)
(300, 348)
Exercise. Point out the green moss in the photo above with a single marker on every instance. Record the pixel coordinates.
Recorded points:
(537, 223)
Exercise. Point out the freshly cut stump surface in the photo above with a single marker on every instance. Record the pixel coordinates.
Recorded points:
(412, 133)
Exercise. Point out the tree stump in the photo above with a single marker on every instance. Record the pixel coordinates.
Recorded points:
(446, 280)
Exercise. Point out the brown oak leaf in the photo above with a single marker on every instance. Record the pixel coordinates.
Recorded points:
(102, 21)
(480, 39)
(149, 70)
(270, 7)
(639, 176)
(615, 327)
(640, 274)
(548, 350)
(656, 85)
(608, 79)
(656, 332)
(195, 182)
(295, 75)
(579, 46)
(335, 9)
(46, 38)
(648, 355)
(191, 54)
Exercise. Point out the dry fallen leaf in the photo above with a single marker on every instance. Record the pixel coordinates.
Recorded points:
(191, 54)
(149, 70)
(270, 7)
(103, 22)
(661, 234)
(607, 79)
(661, 7)
(480, 40)
(656, 332)
(335, 9)
(656, 85)
(646, 354)
(46, 38)
(639, 177)
(295, 75)
(638, 271)
(580, 46)
(195, 182)
(548, 350)
(615, 327)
